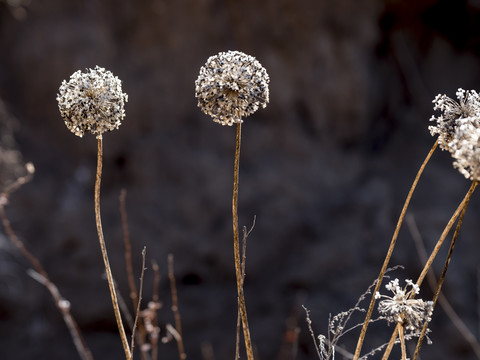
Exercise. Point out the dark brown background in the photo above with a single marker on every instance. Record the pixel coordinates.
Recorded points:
(325, 167)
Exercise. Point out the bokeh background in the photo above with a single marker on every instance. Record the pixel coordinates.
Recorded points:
(325, 167)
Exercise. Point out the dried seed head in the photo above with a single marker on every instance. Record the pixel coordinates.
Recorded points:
(92, 101)
(465, 147)
(468, 105)
(231, 85)
(399, 308)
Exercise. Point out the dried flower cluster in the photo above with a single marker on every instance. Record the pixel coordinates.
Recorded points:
(92, 101)
(468, 105)
(458, 129)
(411, 313)
(231, 86)
(465, 147)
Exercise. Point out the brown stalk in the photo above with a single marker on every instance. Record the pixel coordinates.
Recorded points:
(390, 252)
(103, 249)
(389, 348)
(434, 253)
(236, 248)
(139, 300)
(445, 232)
(442, 300)
(445, 266)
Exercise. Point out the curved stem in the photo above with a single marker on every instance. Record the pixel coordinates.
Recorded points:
(460, 208)
(103, 248)
(390, 252)
(236, 248)
(445, 266)
(393, 338)
(445, 232)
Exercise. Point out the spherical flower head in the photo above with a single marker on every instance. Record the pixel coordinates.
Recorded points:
(231, 86)
(92, 101)
(468, 105)
(401, 309)
(465, 148)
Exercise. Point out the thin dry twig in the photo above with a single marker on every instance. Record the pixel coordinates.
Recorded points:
(175, 310)
(139, 297)
(390, 252)
(19, 181)
(39, 273)
(64, 306)
(243, 264)
(312, 333)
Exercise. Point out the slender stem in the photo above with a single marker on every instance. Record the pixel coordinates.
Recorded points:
(445, 232)
(445, 267)
(236, 248)
(390, 252)
(244, 258)
(176, 312)
(103, 248)
(389, 348)
(402, 342)
(447, 307)
(139, 298)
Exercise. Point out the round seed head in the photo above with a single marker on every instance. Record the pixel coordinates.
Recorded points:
(468, 105)
(465, 148)
(230, 86)
(92, 101)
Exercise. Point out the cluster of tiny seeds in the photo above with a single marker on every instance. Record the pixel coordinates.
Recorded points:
(468, 105)
(465, 148)
(230, 86)
(412, 314)
(458, 130)
(92, 101)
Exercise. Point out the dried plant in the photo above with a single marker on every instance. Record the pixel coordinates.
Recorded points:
(38, 272)
(339, 325)
(458, 132)
(410, 313)
(468, 106)
(230, 86)
(93, 101)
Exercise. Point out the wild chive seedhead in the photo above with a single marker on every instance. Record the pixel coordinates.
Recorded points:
(465, 147)
(230, 86)
(92, 101)
(410, 313)
(468, 105)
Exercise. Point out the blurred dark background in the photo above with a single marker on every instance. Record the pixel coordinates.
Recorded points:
(325, 167)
